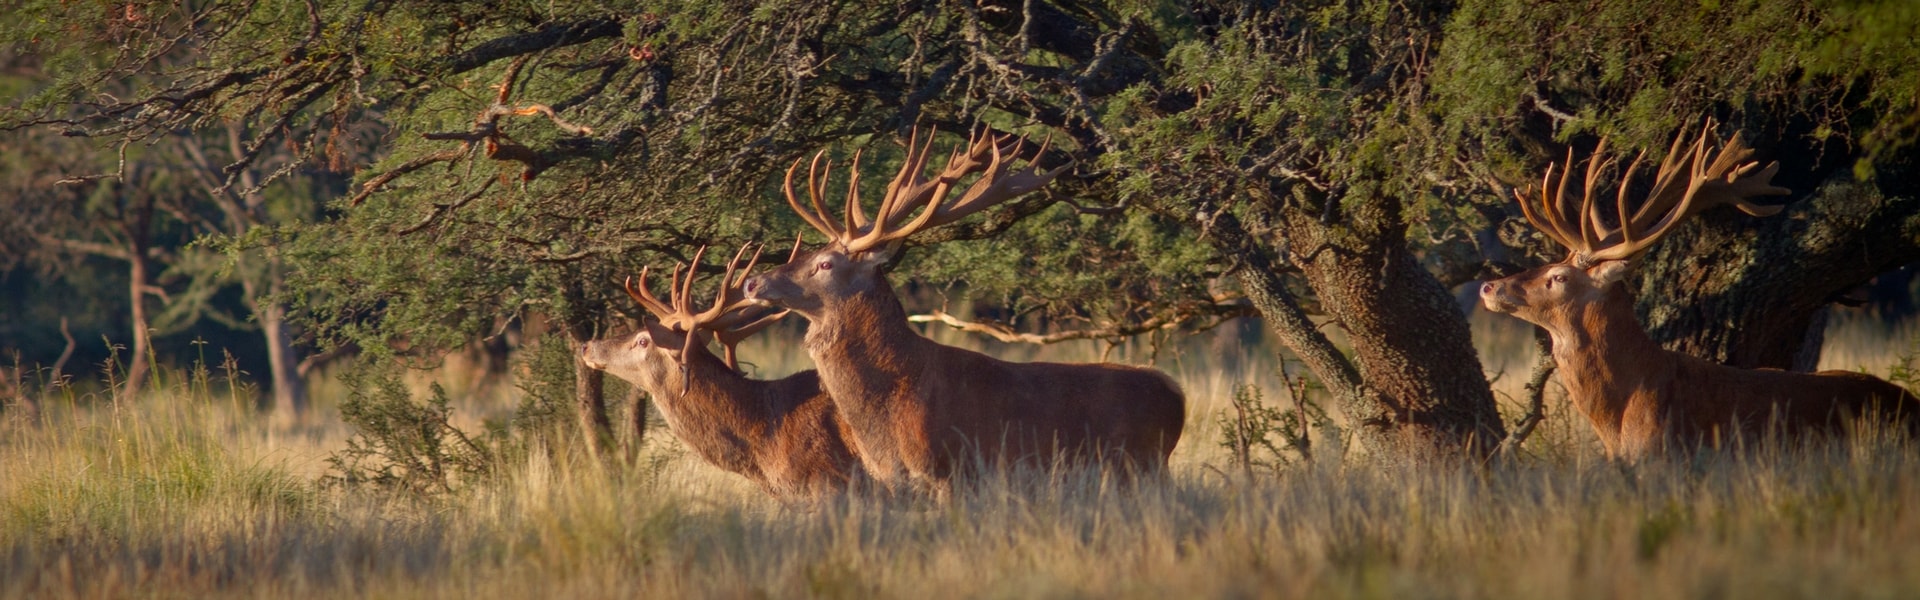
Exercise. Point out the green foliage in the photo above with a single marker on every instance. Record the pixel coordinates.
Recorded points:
(403, 445)
(1636, 71)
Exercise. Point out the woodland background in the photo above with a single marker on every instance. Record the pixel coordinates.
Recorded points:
(289, 290)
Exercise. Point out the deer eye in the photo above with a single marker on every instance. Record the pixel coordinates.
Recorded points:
(825, 265)
(1561, 278)
(641, 341)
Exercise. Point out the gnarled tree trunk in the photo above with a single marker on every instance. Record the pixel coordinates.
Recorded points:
(1752, 292)
(1410, 341)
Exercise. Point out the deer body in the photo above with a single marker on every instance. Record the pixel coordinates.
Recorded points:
(1643, 399)
(783, 434)
(920, 411)
(1640, 398)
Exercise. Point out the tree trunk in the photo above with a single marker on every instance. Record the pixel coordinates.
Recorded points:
(1410, 340)
(637, 423)
(289, 402)
(1418, 379)
(589, 393)
(289, 392)
(142, 343)
(1751, 292)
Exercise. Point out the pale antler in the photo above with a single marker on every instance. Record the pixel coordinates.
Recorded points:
(909, 190)
(731, 317)
(1688, 181)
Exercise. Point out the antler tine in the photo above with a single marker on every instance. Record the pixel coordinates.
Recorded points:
(646, 297)
(1553, 207)
(1620, 197)
(817, 189)
(854, 217)
(816, 220)
(1559, 209)
(728, 297)
(1665, 195)
(1726, 178)
(910, 187)
(997, 183)
(684, 303)
(1539, 217)
(1590, 224)
(740, 326)
(795, 253)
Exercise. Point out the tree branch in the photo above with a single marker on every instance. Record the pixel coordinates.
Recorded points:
(1213, 315)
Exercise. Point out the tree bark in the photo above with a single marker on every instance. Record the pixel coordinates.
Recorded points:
(590, 399)
(1410, 340)
(1751, 292)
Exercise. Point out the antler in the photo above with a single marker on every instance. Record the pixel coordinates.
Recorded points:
(909, 190)
(1686, 183)
(731, 317)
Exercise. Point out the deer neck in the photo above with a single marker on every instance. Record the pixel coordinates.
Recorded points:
(1606, 359)
(864, 348)
(714, 409)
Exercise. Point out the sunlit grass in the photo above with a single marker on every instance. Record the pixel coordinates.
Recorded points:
(189, 492)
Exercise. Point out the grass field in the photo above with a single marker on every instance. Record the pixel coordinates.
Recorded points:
(188, 492)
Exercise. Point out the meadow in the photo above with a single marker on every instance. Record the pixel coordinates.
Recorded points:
(190, 492)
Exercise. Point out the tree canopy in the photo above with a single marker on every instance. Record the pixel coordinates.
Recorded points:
(1343, 160)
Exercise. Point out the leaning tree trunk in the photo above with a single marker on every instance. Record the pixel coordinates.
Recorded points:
(142, 335)
(1410, 340)
(1752, 292)
(1418, 380)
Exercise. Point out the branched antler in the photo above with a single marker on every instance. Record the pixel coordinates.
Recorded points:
(1687, 182)
(731, 318)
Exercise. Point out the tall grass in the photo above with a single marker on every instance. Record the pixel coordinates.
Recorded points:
(189, 492)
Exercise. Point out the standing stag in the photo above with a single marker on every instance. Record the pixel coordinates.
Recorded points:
(921, 411)
(1641, 398)
(784, 434)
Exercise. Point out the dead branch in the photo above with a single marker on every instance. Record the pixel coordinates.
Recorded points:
(1207, 317)
(486, 131)
(1536, 395)
(64, 353)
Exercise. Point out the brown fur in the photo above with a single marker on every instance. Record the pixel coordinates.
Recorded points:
(784, 434)
(1643, 399)
(921, 411)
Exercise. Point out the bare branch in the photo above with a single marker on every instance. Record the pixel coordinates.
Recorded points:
(1207, 317)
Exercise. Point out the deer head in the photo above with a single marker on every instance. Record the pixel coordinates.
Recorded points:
(677, 328)
(1692, 178)
(858, 246)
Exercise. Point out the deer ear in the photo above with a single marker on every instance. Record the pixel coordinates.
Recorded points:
(1608, 272)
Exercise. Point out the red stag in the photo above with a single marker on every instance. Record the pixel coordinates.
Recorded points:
(1641, 398)
(784, 434)
(921, 411)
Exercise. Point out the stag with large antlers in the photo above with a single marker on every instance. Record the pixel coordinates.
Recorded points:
(920, 411)
(1641, 398)
(785, 434)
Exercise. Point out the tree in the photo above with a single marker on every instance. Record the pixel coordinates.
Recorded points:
(1827, 90)
(147, 202)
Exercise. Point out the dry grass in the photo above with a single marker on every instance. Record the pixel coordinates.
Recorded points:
(189, 493)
